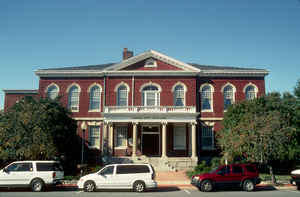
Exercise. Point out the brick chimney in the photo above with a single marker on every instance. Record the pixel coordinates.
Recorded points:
(127, 54)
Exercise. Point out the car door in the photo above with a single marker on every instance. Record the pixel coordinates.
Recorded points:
(236, 175)
(17, 174)
(104, 178)
(222, 177)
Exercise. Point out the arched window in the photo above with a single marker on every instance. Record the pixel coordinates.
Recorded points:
(95, 96)
(122, 96)
(52, 92)
(228, 93)
(206, 98)
(179, 95)
(73, 98)
(250, 92)
(150, 96)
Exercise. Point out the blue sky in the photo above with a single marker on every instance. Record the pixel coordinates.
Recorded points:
(36, 34)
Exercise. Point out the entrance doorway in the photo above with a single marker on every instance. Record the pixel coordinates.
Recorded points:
(150, 141)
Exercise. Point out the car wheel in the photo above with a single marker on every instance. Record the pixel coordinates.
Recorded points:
(139, 186)
(248, 185)
(37, 185)
(89, 186)
(206, 186)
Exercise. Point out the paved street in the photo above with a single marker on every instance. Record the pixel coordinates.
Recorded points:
(171, 191)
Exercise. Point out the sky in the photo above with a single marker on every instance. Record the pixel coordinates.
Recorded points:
(38, 34)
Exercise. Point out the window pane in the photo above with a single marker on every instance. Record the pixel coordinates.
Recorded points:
(94, 136)
(207, 138)
(95, 98)
(179, 96)
(179, 138)
(73, 98)
(206, 98)
(52, 92)
(121, 136)
(250, 93)
(228, 96)
(122, 96)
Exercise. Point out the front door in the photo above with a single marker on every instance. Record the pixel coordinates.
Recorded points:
(151, 141)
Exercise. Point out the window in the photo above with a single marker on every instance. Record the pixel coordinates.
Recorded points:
(52, 92)
(48, 167)
(250, 92)
(107, 170)
(150, 63)
(94, 136)
(207, 138)
(122, 96)
(132, 169)
(250, 168)
(95, 95)
(224, 170)
(73, 98)
(228, 96)
(206, 98)
(179, 95)
(20, 167)
(179, 138)
(237, 169)
(150, 96)
(121, 136)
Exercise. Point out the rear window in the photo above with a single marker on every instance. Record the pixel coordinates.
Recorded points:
(48, 167)
(250, 168)
(132, 169)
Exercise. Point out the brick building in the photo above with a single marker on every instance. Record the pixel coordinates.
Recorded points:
(149, 107)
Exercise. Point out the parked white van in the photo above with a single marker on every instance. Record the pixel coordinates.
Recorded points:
(138, 177)
(34, 174)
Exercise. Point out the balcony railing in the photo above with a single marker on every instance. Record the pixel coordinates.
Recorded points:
(150, 109)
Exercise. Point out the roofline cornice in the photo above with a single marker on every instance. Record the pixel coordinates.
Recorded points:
(235, 73)
(6, 91)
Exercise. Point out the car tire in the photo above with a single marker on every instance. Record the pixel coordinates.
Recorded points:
(139, 186)
(206, 186)
(37, 185)
(89, 186)
(248, 185)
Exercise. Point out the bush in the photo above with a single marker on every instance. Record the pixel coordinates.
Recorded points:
(204, 167)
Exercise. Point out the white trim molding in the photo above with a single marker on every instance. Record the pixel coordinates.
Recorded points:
(211, 118)
(212, 90)
(150, 84)
(120, 84)
(253, 85)
(92, 85)
(52, 84)
(179, 83)
(73, 84)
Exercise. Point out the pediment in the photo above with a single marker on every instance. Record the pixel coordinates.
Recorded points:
(151, 61)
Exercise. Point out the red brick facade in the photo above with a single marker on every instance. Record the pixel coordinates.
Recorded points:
(165, 74)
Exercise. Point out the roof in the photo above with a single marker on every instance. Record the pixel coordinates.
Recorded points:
(116, 69)
(20, 91)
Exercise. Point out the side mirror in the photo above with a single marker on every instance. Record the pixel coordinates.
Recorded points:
(5, 170)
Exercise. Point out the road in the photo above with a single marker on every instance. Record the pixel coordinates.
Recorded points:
(172, 192)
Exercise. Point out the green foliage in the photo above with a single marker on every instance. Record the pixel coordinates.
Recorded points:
(204, 167)
(261, 130)
(38, 130)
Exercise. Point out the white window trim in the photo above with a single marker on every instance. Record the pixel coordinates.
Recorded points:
(255, 89)
(116, 91)
(94, 124)
(89, 91)
(79, 91)
(147, 65)
(50, 85)
(212, 90)
(233, 96)
(157, 95)
(115, 138)
(184, 89)
(208, 124)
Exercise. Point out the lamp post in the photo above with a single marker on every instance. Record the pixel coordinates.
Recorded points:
(83, 128)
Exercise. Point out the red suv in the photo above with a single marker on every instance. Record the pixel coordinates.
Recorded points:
(233, 175)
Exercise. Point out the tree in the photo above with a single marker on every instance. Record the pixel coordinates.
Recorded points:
(261, 130)
(37, 130)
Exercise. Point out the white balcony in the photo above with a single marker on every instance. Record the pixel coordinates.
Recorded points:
(150, 109)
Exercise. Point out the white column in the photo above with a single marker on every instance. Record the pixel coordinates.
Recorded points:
(194, 139)
(134, 139)
(164, 140)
